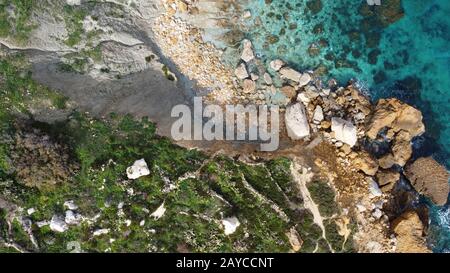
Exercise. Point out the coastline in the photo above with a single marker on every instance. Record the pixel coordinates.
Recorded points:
(330, 133)
(374, 235)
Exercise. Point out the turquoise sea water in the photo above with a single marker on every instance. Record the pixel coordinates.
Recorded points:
(400, 49)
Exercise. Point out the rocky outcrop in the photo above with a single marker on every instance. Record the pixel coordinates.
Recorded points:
(365, 163)
(429, 178)
(409, 231)
(395, 115)
(344, 131)
(297, 122)
(387, 179)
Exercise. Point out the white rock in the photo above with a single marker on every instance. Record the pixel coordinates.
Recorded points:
(57, 224)
(318, 114)
(241, 72)
(230, 225)
(374, 247)
(159, 212)
(142, 223)
(344, 131)
(42, 223)
(296, 121)
(361, 208)
(102, 231)
(377, 214)
(73, 218)
(31, 211)
(73, 2)
(268, 79)
(290, 74)
(247, 52)
(276, 64)
(374, 189)
(301, 97)
(70, 205)
(138, 169)
(128, 222)
(304, 79)
(247, 14)
(374, 2)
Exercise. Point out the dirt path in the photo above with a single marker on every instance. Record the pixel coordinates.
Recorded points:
(303, 176)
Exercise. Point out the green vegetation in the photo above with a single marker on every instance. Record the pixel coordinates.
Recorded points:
(15, 18)
(323, 195)
(74, 17)
(103, 149)
(167, 73)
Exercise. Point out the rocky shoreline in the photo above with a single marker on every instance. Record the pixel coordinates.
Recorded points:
(373, 142)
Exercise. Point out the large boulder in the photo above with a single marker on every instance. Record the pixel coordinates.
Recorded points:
(396, 115)
(290, 74)
(409, 231)
(297, 122)
(138, 169)
(429, 178)
(344, 131)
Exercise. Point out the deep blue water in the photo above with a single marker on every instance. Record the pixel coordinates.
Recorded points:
(400, 49)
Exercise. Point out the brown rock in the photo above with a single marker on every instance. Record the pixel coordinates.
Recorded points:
(409, 231)
(397, 115)
(249, 86)
(429, 178)
(289, 91)
(387, 179)
(365, 163)
(401, 149)
(387, 161)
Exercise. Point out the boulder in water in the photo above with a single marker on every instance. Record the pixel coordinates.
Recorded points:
(429, 178)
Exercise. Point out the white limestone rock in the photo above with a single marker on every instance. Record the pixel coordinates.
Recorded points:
(290, 74)
(304, 80)
(374, 189)
(70, 205)
(102, 231)
(230, 225)
(73, 218)
(159, 212)
(276, 65)
(268, 79)
(247, 52)
(318, 114)
(241, 72)
(58, 224)
(344, 131)
(297, 122)
(138, 169)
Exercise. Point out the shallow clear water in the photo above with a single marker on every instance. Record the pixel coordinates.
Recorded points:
(407, 58)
